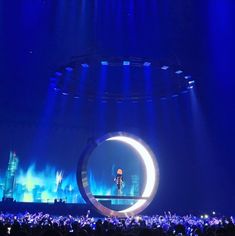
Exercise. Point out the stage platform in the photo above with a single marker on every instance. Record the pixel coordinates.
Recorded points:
(50, 208)
(59, 208)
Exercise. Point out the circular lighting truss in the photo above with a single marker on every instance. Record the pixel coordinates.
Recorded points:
(151, 173)
(168, 80)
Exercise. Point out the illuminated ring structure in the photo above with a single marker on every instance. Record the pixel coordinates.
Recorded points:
(82, 72)
(150, 167)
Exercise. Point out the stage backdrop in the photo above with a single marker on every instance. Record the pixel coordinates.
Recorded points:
(49, 171)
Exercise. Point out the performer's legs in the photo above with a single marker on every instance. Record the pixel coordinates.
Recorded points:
(119, 189)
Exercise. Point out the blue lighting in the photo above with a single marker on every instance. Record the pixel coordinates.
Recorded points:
(174, 95)
(104, 63)
(164, 67)
(69, 69)
(57, 73)
(147, 63)
(188, 77)
(190, 87)
(85, 65)
(191, 82)
(65, 94)
(44, 186)
(126, 63)
(53, 79)
(178, 72)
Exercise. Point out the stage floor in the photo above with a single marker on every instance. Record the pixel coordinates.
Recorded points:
(58, 208)
(50, 208)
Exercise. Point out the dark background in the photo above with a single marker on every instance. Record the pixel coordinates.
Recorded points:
(193, 137)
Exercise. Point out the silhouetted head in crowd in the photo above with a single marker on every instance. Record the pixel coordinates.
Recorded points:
(165, 225)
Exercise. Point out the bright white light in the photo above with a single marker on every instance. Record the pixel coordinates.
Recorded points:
(104, 63)
(178, 72)
(59, 177)
(187, 76)
(150, 170)
(164, 67)
(126, 63)
(191, 82)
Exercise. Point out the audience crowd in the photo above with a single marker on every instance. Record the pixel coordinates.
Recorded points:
(160, 225)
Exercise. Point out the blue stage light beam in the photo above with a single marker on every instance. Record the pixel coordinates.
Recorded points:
(101, 107)
(150, 105)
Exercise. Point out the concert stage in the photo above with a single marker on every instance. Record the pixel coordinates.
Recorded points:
(50, 208)
(123, 108)
(60, 208)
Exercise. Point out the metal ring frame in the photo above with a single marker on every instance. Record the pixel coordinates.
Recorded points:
(178, 82)
(151, 174)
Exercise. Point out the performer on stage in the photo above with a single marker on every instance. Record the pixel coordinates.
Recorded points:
(119, 180)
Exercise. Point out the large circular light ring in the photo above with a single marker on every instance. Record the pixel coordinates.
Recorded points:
(150, 168)
(178, 82)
